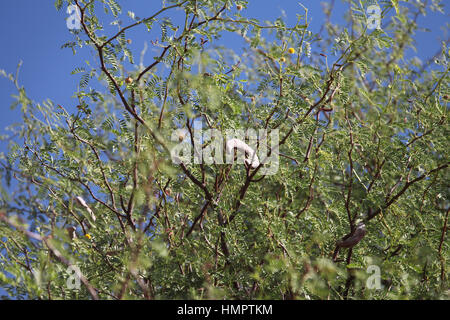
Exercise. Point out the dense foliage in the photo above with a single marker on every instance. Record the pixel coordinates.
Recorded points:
(363, 140)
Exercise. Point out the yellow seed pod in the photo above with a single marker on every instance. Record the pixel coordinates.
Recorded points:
(282, 59)
(291, 50)
(87, 235)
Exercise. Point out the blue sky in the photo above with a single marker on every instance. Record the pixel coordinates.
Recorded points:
(33, 31)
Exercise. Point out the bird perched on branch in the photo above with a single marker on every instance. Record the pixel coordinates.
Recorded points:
(352, 239)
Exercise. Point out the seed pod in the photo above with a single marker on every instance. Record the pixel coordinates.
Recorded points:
(251, 158)
(353, 238)
(81, 201)
(129, 80)
(71, 232)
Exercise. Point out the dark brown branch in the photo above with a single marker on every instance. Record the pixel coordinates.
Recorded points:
(406, 187)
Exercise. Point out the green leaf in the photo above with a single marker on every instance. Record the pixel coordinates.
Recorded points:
(395, 5)
(58, 4)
